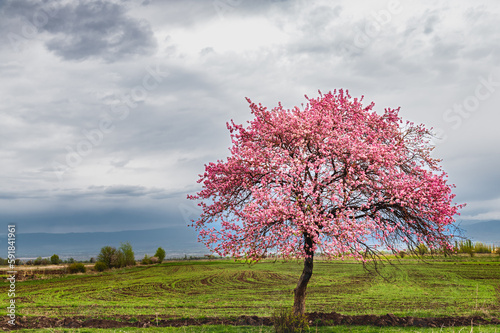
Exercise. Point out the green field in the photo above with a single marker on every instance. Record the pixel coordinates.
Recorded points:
(223, 288)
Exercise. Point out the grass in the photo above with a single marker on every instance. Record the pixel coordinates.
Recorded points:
(250, 329)
(196, 289)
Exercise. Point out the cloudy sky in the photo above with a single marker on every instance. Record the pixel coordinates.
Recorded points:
(110, 109)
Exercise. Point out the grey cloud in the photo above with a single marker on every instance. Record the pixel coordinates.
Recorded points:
(447, 49)
(125, 190)
(119, 163)
(8, 195)
(413, 55)
(472, 168)
(90, 29)
(475, 14)
(95, 208)
(118, 191)
(430, 23)
(180, 125)
(319, 28)
(96, 219)
(93, 192)
(196, 120)
(180, 13)
(11, 68)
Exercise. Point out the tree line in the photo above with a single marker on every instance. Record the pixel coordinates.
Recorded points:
(108, 257)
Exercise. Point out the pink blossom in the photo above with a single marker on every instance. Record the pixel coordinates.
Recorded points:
(335, 174)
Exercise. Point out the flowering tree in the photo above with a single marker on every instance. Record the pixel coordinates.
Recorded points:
(335, 178)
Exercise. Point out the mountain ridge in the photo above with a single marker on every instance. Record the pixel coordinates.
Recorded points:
(177, 241)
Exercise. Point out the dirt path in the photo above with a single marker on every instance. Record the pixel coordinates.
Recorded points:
(316, 319)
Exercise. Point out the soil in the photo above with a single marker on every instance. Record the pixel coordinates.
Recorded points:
(315, 319)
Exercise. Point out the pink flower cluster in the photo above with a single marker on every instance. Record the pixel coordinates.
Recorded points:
(334, 177)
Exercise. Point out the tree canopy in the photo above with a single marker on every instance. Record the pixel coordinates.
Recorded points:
(333, 177)
(160, 254)
(336, 172)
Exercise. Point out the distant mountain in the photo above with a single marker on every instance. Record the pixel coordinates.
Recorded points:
(177, 242)
(485, 232)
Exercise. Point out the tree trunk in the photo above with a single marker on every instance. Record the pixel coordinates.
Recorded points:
(299, 303)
